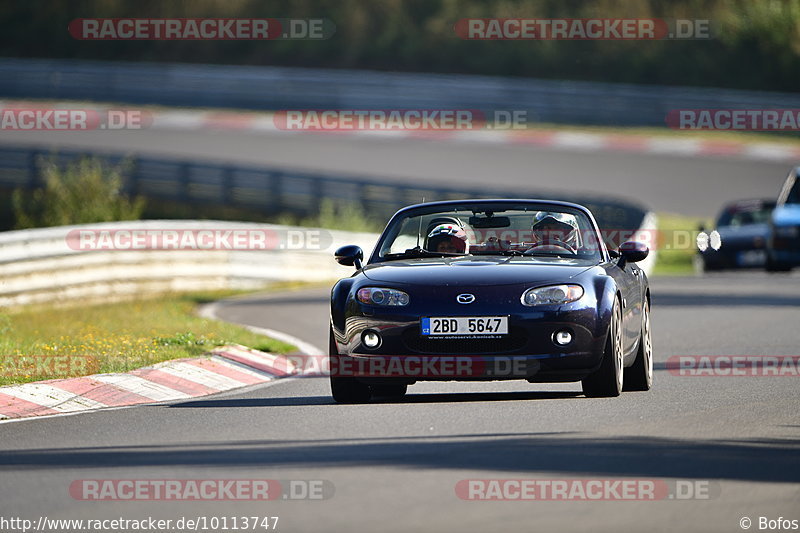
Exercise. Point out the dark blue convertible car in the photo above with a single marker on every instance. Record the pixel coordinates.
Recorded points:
(489, 290)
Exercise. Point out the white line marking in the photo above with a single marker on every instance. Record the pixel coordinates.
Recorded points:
(774, 152)
(583, 141)
(673, 146)
(210, 312)
(141, 386)
(51, 397)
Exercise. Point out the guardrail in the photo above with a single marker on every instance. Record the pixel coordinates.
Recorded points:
(44, 266)
(274, 88)
(275, 190)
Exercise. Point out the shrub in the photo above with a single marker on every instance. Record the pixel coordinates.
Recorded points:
(83, 192)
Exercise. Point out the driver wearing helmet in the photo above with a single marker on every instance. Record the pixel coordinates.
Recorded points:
(555, 229)
(448, 238)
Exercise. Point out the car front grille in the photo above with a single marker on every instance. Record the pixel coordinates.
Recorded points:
(515, 340)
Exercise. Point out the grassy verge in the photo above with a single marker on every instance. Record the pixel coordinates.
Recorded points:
(676, 243)
(117, 337)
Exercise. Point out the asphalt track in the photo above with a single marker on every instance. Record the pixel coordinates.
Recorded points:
(395, 465)
(695, 186)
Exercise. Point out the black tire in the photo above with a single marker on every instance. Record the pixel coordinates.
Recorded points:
(346, 389)
(607, 382)
(389, 390)
(776, 266)
(639, 376)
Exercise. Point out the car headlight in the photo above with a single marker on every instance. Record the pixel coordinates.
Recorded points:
(553, 294)
(380, 296)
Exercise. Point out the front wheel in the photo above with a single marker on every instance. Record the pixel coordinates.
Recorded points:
(390, 390)
(777, 266)
(346, 389)
(607, 381)
(349, 390)
(639, 377)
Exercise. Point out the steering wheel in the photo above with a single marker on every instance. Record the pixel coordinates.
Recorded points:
(555, 243)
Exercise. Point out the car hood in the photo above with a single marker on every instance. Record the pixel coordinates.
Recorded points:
(476, 271)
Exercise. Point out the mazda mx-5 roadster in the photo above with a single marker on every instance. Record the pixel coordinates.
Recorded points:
(470, 290)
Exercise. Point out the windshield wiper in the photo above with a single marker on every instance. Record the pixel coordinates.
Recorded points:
(511, 252)
(420, 252)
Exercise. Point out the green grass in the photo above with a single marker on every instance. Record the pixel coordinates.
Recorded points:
(676, 243)
(118, 337)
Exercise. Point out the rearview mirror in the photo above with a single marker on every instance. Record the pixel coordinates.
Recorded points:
(633, 251)
(350, 255)
(489, 222)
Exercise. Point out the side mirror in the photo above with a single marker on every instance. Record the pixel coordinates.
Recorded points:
(350, 255)
(632, 251)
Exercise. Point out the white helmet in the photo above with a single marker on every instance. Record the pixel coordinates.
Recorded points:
(556, 226)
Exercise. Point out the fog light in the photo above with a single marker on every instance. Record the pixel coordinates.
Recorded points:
(371, 339)
(562, 338)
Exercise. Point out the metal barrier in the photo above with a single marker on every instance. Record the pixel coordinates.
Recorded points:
(274, 88)
(276, 190)
(45, 265)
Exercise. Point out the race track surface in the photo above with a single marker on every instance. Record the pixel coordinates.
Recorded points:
(395, 465)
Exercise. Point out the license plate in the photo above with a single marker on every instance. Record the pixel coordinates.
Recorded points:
(465, 325)
(751, 258)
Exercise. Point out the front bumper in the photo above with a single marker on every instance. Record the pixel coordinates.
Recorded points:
(528, 351)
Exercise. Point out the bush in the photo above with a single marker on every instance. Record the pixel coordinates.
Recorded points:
(338, 216)
(86, 191)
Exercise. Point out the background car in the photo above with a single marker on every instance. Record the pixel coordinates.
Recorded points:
(783, 251)
(533, 289)
(744, 230)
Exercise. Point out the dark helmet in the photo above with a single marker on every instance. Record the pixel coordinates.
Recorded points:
(448, 233)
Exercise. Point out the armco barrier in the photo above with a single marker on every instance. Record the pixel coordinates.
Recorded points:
(274, 88)
(40, 266)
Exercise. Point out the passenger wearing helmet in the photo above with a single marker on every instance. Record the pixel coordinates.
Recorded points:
(448, 238)
(555, 229)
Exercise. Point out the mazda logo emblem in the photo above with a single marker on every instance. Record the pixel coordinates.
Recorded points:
(465, 298)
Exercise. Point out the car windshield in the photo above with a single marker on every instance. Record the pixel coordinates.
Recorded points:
(535, 230)
(745, 216)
